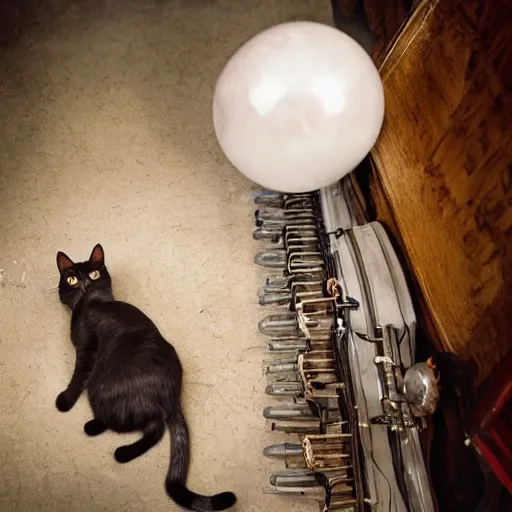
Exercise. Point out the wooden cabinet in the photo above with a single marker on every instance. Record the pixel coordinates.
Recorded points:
(442, 176)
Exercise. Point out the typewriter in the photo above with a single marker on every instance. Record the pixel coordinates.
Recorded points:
(342, 376)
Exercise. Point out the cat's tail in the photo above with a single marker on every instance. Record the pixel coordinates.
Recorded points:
(175, 482)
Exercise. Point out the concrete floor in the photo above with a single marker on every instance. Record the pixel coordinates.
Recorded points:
(106, 137)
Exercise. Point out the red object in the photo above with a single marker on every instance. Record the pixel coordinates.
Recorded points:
(492, 433)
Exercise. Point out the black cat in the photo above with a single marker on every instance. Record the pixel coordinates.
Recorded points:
(132, 375)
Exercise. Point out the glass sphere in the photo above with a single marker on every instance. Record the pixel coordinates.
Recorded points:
(298, 107)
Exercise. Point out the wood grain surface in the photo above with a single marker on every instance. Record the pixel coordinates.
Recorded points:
(444, 169)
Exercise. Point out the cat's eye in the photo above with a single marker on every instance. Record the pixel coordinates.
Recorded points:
(95, 274)
(72, 281)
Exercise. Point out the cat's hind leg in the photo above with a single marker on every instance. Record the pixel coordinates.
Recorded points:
(153, 433)
(95, 427)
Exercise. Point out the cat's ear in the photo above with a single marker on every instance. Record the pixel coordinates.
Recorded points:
(97, 255)
(63, 262)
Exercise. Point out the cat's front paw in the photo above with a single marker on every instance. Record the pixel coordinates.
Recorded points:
(63, 403)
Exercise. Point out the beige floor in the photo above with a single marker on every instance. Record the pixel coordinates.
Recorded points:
(106, 137)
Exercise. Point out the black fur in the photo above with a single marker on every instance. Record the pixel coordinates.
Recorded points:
(132, 375)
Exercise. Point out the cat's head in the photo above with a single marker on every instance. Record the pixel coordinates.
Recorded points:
(88, 278)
